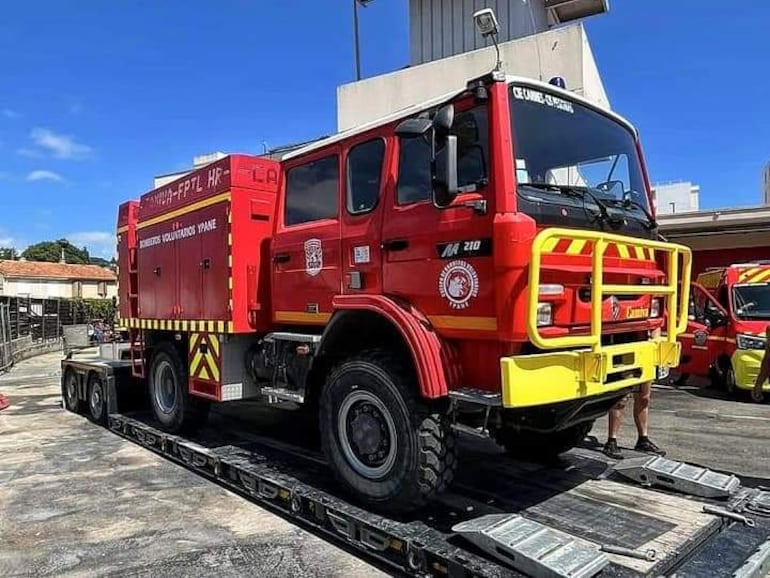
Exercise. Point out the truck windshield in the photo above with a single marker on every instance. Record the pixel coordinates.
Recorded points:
(562, 147)
(752, 301)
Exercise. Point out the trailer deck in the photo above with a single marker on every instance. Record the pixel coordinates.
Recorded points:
(619, 527)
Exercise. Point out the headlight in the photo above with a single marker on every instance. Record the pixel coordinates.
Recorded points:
(749, 342)
(544, 314)
(655, 307)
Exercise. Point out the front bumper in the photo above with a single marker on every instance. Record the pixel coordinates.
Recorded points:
(746, 364)
(559, 376)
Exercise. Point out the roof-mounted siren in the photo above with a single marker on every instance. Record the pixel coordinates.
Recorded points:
(558, 81)
(486, 22)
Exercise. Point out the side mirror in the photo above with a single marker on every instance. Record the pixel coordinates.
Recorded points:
(414, 127)
(445, 186)
(444, 119)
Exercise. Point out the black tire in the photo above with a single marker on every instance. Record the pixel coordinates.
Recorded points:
(724, 378)
(70, 392)
(175, 409)
(97, 399)
(415, 456)
(538, 447)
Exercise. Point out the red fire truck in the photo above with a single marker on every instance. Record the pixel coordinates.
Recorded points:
(485, 262)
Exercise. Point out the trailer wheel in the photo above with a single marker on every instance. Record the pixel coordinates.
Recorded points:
(70, 392)
(97, 400)
(174, 407)
(537, 446)
(381, 441)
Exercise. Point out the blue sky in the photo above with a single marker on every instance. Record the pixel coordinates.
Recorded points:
(95, 101)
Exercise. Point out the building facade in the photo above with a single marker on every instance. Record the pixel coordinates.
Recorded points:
(443, 28)
(674, 198)
(766, 185)
(563, 52)
(41, 280)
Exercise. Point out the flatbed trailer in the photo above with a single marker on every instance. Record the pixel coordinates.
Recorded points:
(581, 516)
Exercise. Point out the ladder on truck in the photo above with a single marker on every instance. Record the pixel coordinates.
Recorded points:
(136, 348)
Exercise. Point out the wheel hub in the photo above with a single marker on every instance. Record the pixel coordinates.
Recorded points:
(367, 434)
(165, 387)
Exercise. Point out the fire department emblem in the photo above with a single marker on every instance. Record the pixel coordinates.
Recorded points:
(614, 308)
(314, 257)
(458, 284)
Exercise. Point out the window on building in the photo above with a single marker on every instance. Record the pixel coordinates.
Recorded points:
(77, 289)
(312, 191)
(363, 175)
(414, 178)
(102, 288)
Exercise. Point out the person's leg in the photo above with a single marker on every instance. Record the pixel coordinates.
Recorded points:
(762, 376)
(641, 415)
(615, 418)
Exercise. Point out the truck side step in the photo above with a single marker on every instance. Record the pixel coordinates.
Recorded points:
(679, 476)
(278, 394)
(532, 548)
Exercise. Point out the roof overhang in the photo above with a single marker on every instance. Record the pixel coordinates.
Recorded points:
(562, 11)
(715, 221)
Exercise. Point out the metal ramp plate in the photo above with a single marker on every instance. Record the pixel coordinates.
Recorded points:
(532, 548)
(679, 476)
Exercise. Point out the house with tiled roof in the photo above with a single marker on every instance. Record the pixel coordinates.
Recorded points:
(56, 280)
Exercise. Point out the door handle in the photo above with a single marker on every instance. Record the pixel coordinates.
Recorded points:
(281, 258)
(395, 245)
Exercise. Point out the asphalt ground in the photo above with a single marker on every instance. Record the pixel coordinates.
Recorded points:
(77, 500)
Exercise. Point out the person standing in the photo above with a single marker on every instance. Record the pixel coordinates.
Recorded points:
(642, 396)
(764, 370)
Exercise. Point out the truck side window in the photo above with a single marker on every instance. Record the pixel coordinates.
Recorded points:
(312, 191)
(414, 179)
(363, 175)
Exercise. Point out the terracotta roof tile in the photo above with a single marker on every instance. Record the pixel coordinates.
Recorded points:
(41, 270)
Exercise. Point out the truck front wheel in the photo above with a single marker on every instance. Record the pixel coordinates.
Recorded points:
(537, 446)
(173, 406)
(383, 443)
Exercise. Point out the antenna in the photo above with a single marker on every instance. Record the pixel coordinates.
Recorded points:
(536, 39)
(486, 22)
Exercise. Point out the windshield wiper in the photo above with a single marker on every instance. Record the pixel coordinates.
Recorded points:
(576, 191)
(628, 202)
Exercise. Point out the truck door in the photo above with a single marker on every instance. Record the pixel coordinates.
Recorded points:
(705, 338)
(365, 173)
(306, 249)
(440, 259)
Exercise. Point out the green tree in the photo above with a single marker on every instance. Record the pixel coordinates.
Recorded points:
(51, 251)
(8, 253)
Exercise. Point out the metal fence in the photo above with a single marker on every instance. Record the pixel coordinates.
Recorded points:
(38, 321)
(6, 359)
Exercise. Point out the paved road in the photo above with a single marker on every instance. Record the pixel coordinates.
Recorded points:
(701, 426)
(76, 500)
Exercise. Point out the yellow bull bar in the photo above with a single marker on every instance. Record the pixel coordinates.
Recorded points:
(581, 366)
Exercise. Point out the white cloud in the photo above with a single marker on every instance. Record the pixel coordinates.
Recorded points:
(31, 153)
(99, 243)
(41, 175)
(8, 113)
(59, 145)
(6, 242)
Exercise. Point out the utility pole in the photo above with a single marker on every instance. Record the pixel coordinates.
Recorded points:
(363, 3)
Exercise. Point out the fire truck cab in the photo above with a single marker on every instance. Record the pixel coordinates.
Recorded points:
(729, 315)
(485, 262)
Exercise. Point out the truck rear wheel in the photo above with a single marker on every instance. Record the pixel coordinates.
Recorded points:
(97, 401)
(381, 441)
(173, 406)
(70, 392)
(537, 446)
